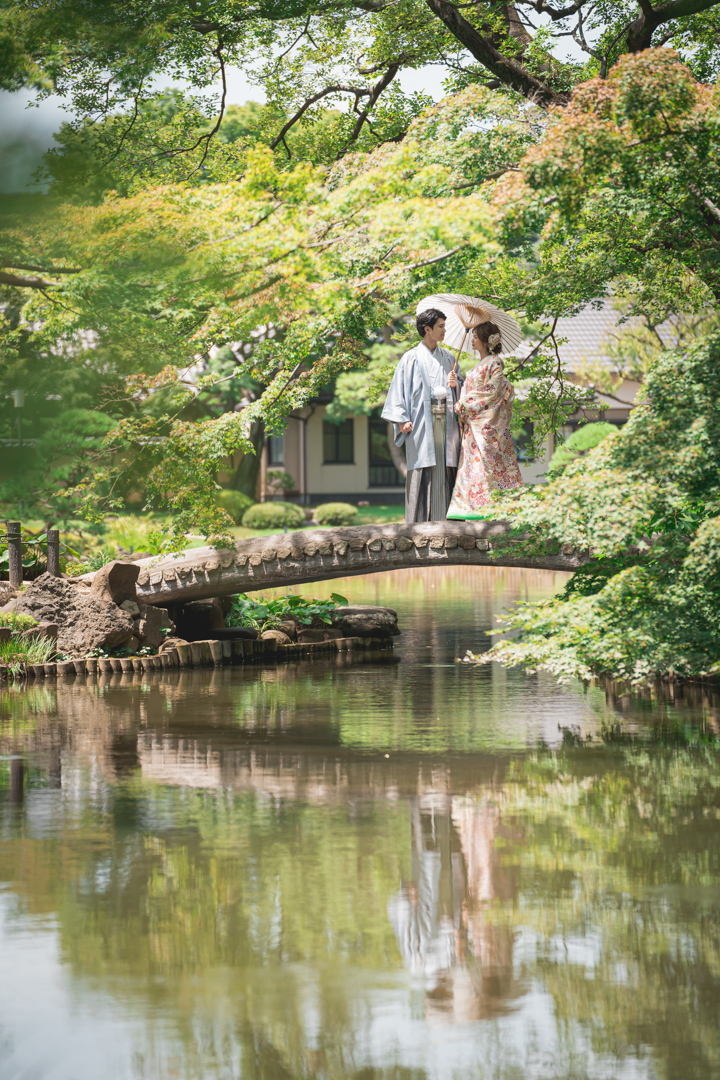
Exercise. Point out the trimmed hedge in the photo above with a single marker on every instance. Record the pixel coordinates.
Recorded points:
(335, 514)
(579, 443)
(273, 515)
(235, 502)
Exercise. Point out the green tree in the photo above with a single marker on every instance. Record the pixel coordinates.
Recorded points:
(162, 279)
(310, 56)
(621, 189)
(480, 196)
(646, 502)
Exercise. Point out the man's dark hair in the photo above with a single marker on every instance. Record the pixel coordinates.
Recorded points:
(428, 318)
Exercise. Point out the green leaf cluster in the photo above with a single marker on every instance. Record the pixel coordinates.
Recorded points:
(646, 504)
(265, 613)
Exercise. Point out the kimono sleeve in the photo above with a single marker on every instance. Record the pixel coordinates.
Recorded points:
(492, 386)
(398, 404)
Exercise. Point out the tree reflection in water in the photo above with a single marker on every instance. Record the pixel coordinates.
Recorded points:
(341, 873)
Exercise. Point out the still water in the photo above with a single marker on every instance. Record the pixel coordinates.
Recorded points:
(405, 869)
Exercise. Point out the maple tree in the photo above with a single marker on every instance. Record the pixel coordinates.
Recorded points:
(163, 278)
(311, 55)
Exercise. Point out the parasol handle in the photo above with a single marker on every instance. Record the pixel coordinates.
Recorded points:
(462, 346)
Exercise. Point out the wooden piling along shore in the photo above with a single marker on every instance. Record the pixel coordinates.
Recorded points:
(201, 654)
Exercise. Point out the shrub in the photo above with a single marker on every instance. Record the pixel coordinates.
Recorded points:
(273, 515)
(235, 503)
(579, 444)
(268, 614)
(335, 514)
(278, 480)
(17, 621)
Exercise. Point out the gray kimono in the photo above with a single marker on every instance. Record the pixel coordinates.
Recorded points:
(408, 399)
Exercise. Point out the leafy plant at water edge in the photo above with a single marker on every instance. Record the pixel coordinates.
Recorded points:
(17, 652)
(647, 502)
(267, 614)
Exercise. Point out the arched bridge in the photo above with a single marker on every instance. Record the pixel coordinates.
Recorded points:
(269, 562)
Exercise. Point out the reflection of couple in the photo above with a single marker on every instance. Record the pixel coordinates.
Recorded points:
(442, 917)
(479, 457)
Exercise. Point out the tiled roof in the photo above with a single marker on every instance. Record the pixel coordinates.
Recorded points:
(590, 331)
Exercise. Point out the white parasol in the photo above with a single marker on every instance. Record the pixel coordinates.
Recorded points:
(462, 313)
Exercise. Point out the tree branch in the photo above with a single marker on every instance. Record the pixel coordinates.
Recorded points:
(642, 29)
(380, 85)
(221, 60)
(555, 14)
(27, 282)
(411, 266)
(41, 269)
(507, 71)
(338, 88)
(707, 202)
(209, 135)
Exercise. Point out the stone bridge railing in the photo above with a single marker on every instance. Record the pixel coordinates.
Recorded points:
(270, 562)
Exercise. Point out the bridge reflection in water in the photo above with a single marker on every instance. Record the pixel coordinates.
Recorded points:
(411, 869)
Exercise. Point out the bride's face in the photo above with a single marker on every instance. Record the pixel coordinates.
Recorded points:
(476, 343)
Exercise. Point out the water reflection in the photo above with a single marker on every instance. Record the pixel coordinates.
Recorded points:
(464, 962)
(408, 869)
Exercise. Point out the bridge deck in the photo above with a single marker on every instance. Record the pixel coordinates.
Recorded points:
(269, 562)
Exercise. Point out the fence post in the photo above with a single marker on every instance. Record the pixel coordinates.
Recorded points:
(14, 553)
(17, 780)
(53, 552)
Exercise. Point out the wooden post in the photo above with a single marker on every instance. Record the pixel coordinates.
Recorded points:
(17, 780)
(53, 552)
(15, 553)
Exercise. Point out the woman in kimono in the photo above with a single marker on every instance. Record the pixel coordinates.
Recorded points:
(487, 455)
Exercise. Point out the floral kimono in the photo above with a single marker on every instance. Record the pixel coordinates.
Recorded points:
(487, 455)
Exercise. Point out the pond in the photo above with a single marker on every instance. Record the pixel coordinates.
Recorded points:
(405, 869)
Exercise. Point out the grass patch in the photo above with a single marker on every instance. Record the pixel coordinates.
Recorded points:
(95, 560)
(16, 653)
(380, 515)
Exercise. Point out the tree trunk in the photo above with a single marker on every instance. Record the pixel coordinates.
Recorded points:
(398, 458)
(507, 71)
(247, 471)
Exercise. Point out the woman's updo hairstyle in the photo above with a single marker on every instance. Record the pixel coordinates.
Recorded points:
(489, 334)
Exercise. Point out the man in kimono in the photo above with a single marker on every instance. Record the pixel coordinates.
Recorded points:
(408, 406)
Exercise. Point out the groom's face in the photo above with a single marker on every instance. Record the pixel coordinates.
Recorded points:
(435, 334)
